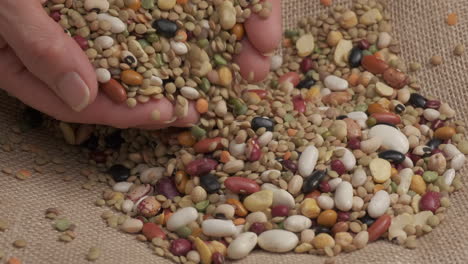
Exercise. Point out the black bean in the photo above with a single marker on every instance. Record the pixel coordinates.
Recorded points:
(417, 100)
(367, 220)
(392, 156)
(341, 117)
(210, 183)
(306, 83)
(322, 229)
(165, 27)
(119, 173)
(114, 140)
(434, 143)
(399, 108)
(91, 143)
(427, 151)
(355, 57)
(259, 122)
(311, 183)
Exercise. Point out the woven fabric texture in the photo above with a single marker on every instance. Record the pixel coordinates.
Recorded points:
(418, 24)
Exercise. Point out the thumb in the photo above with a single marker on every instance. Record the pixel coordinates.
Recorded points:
(48, 52)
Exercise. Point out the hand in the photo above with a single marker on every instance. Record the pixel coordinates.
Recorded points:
(47, 70)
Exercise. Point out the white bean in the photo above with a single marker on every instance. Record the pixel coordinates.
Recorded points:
(405, 180)
(458, 161)
(325, 202)
(308, 160)
(344, 196)
(218, 228)
(276, 62)
(297, 223)
(335, 83)
(242, 245)
(117, 26)
(449, 175)
(359, 177)
(391, 138)
(189, 93)
(181, 218)
(277, 240)
(103, 75)
(122, 187)
(265, 138)
(378, 204)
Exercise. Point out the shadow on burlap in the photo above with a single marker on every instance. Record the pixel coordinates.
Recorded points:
(419, 25)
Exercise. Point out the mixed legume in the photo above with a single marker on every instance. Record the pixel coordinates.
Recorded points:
(340, 149)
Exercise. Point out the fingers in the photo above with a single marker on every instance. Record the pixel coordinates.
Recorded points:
(47, 52)
(19, 82)
(265, 34)
(252, 63)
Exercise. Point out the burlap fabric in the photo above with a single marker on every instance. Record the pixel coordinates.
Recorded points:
(419, 25)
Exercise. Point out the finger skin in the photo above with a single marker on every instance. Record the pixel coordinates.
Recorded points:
(265, 34)
(20, 83)
(250, 60)
(45, 50)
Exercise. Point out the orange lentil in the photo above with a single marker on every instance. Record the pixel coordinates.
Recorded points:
(378, 187)
(292, 132)
(287, 155)
(182, 2)
(287, 42)
(379, 55)
(326, 2)
(134, 4)
(314, 195)
(201, 105)
(181, 35)
(394, 172)
(239, 207)
(206, 216)
(14, 260)
(196, 232)
(225, 156)
(353, 79)
(452, 19)
(238, 30)
(167, 215)
(239, 221)
(186, 139)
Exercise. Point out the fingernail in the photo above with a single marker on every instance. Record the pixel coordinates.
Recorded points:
(74, 91)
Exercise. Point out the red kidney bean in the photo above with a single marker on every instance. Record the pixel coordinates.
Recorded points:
(363, 44)
(241, 185)
(390, 118)
(152, 230)
(414, 158)
(354, 143)
(379, 227)
(374, 64)
(279, 210)
(299, 104)
(292, 77)
(338, 166)
(435, 151)
(437, 124)
(395, 78)
(166, 187)
(306, 64)
(260, 92)
(253, 150)
(201, 166)
(290, 165)
(217, 258)
(343, 216)
(430, 201)
(208, 145)
(180, 247)
(324, 187)
(257, 228)
(434, 104)
(82, 42)
(55, 16)
(114, 90)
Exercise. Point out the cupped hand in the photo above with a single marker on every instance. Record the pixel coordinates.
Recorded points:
(47, 70)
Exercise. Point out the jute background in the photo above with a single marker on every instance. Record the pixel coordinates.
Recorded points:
(418, 24)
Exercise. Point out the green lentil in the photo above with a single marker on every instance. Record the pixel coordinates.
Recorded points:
(371, 122)
(219, 60)
(433, 221)
(430, 176)
(184, 231)
(201, 206)
(205, 85)
(147, 4)
(20, 243)
(62, 225)
(93, 254)
(4, 225)
(198, 132)
(239, 108)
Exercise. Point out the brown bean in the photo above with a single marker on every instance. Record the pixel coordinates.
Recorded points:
(114, 90)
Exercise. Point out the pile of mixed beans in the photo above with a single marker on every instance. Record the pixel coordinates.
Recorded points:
(336, 149)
